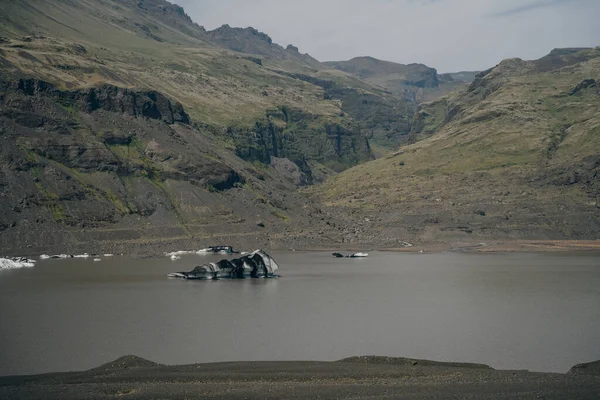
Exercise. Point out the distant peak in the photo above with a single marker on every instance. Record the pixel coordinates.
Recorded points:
(226, 29)
(291, 47)
(367, 58)
(567, 50)
(127, 362)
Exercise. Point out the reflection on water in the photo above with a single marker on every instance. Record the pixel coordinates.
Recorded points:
(521, 311)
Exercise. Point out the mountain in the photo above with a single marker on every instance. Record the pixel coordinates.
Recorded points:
(400, 79)
(411, 84)
(126, 126)
(251, 41)
(462, 76)
(124, 122)
(514, 155)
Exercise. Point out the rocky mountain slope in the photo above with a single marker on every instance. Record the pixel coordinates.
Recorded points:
(397, 78)
(125, 121)
(108, 166)
(251, 41)
(412, 82)
(125, 125)
(516, 155)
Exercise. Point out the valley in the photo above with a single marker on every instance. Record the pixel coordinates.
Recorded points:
(127, 127)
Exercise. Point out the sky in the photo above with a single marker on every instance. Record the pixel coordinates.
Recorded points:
(450, 35)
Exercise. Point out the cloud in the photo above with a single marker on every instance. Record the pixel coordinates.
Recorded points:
(450, 35)
(531, 6)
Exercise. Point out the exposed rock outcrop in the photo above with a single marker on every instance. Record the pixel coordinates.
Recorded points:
(591, 368)
(150, 104)
(251, 41)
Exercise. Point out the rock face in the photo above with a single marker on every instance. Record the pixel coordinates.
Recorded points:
(251, 41)
(388, 123)
(418, 75)
(78, 163)
(150, 104)
(167, 13)
(408, 82)
(585, 84)
(303, 139)
(509, 157)
(381, 118)
(592, 368)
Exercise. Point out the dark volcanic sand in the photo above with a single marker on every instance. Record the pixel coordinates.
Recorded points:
(131, 377)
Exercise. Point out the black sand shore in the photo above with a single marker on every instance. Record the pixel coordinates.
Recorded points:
(131, 377)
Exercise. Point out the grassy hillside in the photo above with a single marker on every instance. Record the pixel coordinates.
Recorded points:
(517, 154)
(410, 84)
(134, 123)
(154, 45)
(392, 76)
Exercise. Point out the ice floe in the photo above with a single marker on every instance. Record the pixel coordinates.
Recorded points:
(257, 264)
(355, 255)
(16, 262)
(208, 250)
(46, 256)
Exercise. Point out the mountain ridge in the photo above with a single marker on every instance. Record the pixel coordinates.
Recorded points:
(513, 156)
(137, 127)
(150, 133)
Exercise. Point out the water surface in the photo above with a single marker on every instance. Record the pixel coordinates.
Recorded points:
(511, 311)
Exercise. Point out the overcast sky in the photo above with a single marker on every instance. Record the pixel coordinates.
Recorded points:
(450, 35)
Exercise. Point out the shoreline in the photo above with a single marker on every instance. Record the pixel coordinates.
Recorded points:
(158, 248)
(367, 377)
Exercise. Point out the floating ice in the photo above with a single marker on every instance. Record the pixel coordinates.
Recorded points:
(16, 262)
(257, 264)
(359, 255)
(46, 256)
(355, 255)
(179, 253)
(208, 250)
(97, 259)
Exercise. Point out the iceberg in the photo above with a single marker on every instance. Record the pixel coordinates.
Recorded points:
(46, 256)
(359, 255)
(355, 255)
(257, 264)
(208, 250)
(217, 249)
(179, 253)
(16, 262)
